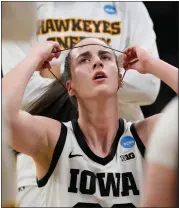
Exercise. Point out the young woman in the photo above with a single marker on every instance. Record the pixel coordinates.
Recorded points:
(96, 159)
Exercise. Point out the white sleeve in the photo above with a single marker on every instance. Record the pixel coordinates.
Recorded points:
(138, 88)
(35, 89)
(163, 144)
(14, 52)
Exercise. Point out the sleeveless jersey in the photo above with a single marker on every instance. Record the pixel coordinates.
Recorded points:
(79, 178)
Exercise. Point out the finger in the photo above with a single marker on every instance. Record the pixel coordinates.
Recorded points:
(54, 45)
(56, 48)
(46, 65)
(130, 58)
(132, 53)
(132, 63)
(56, 52)
(57, 55)
(51, 56)
(125, 61)
(125, 64)
(128, 49)
(42, 67)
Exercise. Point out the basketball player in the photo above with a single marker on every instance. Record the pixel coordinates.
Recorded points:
(96, 160)
(160, 187)
(119, 23)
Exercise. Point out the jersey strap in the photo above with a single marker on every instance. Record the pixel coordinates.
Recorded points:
(56, 155)
(139, 142)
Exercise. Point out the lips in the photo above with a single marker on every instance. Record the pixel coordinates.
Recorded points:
(99, 75)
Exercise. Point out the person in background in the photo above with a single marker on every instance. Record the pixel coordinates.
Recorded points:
(119, 24)
(15, 16)
(161, 172)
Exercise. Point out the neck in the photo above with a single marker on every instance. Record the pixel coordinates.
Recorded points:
(98, 119)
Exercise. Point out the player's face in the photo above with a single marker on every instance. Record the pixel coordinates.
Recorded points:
(94, 70)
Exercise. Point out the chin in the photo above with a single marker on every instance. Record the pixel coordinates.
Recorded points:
(104, 91)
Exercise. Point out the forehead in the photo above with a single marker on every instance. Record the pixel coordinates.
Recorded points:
(91, 45)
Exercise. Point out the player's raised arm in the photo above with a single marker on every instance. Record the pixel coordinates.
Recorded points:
(137, 58)
(28, 132)
(140, 89)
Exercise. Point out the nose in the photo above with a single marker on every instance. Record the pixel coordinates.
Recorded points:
(98, 63)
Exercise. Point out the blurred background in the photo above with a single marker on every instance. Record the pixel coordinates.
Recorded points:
(164, 15)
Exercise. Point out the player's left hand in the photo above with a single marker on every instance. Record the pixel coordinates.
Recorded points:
(136, 58)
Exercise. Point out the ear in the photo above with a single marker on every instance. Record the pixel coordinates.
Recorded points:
(120, 82)
(70, 88)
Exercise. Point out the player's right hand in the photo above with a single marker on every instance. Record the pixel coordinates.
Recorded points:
(44, 52)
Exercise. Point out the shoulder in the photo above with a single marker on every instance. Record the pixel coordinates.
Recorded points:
(135, 7)
(132, 7)
(138, 13)
(47, 130)
(55, 132)
(52, 127)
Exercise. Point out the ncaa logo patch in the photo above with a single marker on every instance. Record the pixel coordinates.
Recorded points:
(127, 142)
(110, 9)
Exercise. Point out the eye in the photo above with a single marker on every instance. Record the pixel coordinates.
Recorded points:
(105, 57)
(84, 60)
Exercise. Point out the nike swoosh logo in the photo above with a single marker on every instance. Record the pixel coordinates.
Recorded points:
(71, 156)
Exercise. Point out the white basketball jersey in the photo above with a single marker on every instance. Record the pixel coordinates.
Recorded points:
(79, 178)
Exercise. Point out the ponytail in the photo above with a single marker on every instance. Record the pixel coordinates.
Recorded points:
(55, 103)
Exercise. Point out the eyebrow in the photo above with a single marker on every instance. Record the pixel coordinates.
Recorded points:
(87, 53)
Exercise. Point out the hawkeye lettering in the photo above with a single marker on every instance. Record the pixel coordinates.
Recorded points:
(78, 25)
